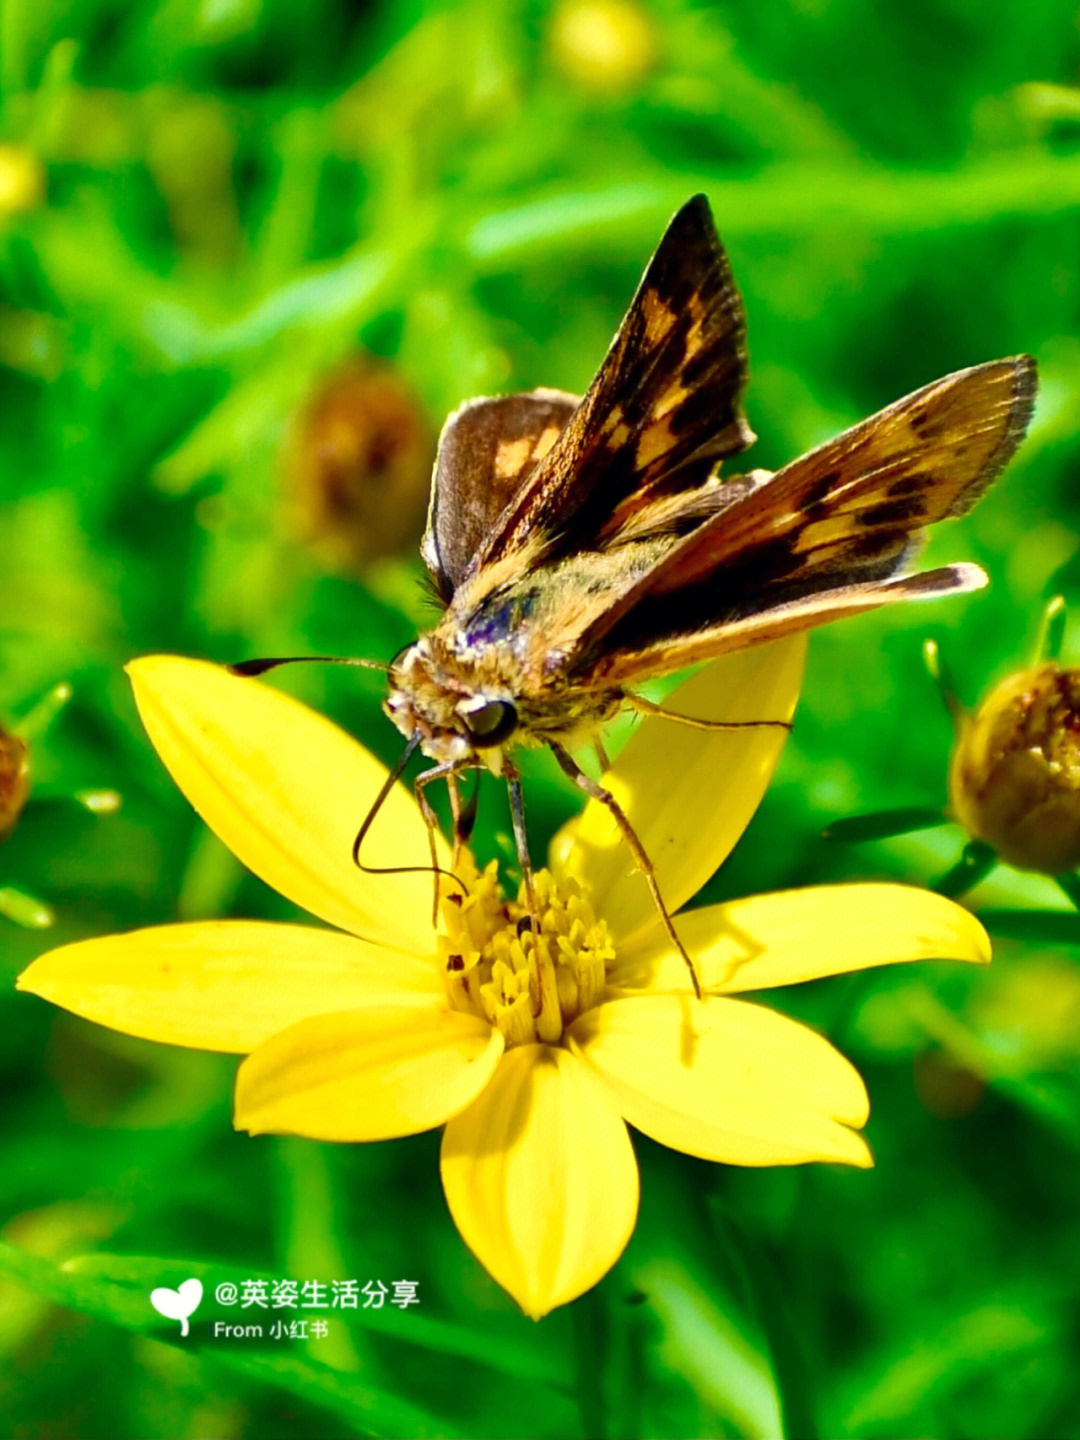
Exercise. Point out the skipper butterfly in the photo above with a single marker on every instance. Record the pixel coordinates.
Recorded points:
(583, 546)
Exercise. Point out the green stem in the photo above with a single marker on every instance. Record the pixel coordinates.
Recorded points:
(591, 1343)
(1051, 634)
(974, 865)
(34, 724)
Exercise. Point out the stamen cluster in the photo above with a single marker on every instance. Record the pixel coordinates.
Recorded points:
(530, 986)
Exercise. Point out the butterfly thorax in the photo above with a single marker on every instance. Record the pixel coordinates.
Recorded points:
(463, 704)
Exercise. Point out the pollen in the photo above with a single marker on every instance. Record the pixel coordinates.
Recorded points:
(531, 985)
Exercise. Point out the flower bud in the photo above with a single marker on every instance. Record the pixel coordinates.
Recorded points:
(359, 466)
(1014, 778)
(14, 781)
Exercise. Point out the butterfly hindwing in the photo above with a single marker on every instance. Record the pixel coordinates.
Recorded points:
(664, 408)
(487, 449)
(626, 668)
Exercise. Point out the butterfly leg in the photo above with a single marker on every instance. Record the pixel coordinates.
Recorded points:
(596, 791)
(464, 815)
(448, 771)
(649, 707)
(517, 815)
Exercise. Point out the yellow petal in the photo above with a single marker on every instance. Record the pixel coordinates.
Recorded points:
(726, 1080)
(688, 793)
(366, 1075)
(286, 791)
(226, 984)
(541, 1179)
(796, 935)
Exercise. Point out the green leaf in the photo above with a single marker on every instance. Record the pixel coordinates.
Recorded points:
(882, 824)
(117, 1289)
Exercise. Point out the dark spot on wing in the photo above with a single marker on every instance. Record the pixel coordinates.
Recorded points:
(679, 286)
(700, 366)
(771, 560)
(891, 512)
(876, 544)
(694, 411)
(816, 495)
(636, 405)
(769, 575)
(913, 484)
(927, 423)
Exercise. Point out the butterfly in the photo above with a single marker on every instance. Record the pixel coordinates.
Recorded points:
(581, 546)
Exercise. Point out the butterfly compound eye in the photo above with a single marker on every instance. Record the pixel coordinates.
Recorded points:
(489, 722)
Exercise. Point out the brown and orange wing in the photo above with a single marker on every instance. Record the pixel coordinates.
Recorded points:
(487, 450)
(824, 536)
(664, 408)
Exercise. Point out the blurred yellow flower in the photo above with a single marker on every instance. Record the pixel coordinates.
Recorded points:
(534, 1058)
(22, 180)
(604, 45)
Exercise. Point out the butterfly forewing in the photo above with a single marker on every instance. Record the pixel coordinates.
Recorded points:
(662, 411)
(844, 517)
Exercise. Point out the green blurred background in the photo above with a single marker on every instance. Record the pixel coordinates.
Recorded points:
(251, 253)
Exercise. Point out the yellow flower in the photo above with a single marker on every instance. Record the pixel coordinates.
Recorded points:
(378, 1029)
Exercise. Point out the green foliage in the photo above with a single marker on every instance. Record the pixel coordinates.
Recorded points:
(205, 210)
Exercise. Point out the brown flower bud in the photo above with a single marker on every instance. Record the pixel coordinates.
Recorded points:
(359, 463)
(946, 1087)
(14, 781)
(1014, 779)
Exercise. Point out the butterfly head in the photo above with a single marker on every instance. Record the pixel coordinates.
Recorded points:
(456, 721)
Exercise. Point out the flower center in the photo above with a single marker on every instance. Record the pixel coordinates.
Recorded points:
(530, 986)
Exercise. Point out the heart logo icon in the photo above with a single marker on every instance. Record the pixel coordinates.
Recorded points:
(178, 1304)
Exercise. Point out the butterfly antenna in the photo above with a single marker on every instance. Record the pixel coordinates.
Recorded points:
(463, 812)
(260, 667)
